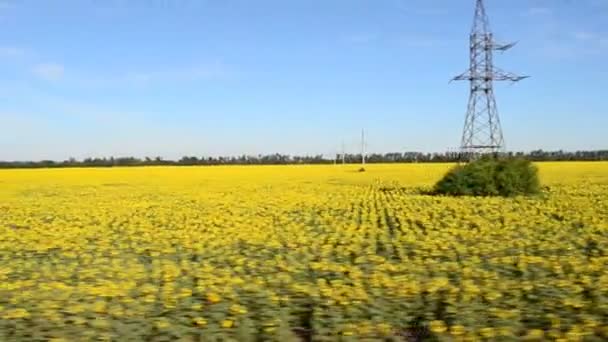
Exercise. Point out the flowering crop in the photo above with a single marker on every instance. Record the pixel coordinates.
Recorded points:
(291, 253)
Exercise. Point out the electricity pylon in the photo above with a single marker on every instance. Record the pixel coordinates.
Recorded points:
(362, 148)
(482, 132)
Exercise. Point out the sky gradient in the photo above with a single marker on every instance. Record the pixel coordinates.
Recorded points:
(94, 78)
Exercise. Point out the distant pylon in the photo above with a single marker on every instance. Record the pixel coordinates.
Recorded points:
(362, 147)
(482, 131)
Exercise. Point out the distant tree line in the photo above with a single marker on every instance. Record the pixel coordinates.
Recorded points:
(281, 159)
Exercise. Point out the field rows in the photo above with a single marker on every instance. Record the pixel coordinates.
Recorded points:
(298, 253)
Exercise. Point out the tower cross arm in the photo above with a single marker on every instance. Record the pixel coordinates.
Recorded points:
(503, 47)
(465, 76)
(500, 75)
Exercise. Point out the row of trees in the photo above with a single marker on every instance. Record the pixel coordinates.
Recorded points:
(279, 159)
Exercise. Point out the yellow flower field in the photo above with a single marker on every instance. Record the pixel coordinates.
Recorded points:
(291, 253)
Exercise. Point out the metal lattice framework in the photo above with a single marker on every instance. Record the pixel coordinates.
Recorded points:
(482, 131)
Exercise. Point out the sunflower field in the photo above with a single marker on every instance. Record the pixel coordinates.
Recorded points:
(299, 253)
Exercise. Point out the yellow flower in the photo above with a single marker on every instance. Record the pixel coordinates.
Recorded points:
(457, 330)
(162, 324)
(200, 321)
(100, 322)
(100, 306)
(487, 332)
(238, 309)
(384, 328)
(75, 308)
(492, 296)
(534, 335)
(438, 327)
(227, 323)
(149, 299)
(213, 297)
(79, 320)
(16, 313)
(505, 331)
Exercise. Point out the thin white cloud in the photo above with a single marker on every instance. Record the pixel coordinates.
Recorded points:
(583, 35)
(48, 71)
(560, 37)
(139, 77)
(537, 11)
(421, 8)
(192, 73)
(576, 44)
(6, 4)
(360, 38)
(590, 36)
(201, 72)
(425, 41)
(592, 41)
(10, 51)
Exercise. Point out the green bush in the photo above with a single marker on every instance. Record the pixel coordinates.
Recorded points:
(490, 177)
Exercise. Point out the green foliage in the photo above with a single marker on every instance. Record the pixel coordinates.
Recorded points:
(491, 177)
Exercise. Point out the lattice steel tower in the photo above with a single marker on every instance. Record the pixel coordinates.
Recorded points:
(482, 132)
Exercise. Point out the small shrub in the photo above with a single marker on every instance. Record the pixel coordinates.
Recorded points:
(490, 177)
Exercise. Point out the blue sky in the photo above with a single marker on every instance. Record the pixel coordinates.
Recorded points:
(86, 78)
